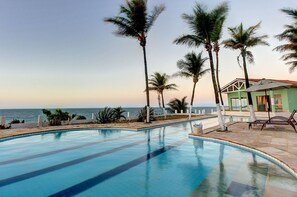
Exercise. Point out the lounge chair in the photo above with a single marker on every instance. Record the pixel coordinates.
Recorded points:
(256, 122)
(277, 120)
(280, 120)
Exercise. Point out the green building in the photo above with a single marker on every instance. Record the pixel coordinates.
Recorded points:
(280, 100)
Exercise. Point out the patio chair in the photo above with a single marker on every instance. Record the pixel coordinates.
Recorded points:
(281, 120)
(256, 122)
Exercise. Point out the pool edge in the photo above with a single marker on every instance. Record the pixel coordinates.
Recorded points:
(251, 149)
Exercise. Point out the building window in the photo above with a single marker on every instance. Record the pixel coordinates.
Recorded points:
(235, 102)
(263, 103)
(278, 102)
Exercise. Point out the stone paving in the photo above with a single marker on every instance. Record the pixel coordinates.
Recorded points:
(279, 142)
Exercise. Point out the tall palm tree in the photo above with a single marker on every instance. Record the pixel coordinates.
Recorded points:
(203, 25)
(159, 83)
(242, 39)
(289, 35)
(134, 21)
(178, 105)
(216, 36)
(192, 66)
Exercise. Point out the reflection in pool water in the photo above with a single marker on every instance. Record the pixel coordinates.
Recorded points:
(154, 162)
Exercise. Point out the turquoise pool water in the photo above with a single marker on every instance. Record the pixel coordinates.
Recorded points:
(114, 162)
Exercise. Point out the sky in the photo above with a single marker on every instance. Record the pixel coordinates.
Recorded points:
(60, 53)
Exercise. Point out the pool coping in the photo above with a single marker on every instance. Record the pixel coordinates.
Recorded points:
(57, 131)
(173, 123)
(77, 127)
(97, 128)
(267, 156)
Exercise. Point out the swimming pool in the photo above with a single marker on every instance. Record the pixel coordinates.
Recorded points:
(115, 162)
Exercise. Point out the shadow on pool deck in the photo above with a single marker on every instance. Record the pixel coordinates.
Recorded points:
(279, 142)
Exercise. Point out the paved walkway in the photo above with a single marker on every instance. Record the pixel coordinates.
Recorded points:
(279, 142)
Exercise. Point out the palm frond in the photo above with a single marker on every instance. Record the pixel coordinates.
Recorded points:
(133, 20)
(191, 65)
(250, 57)
(290, 36)
(190, 40)
(219, 16)
(290, 12)
(204, 26)
(238, 60)
(286, 47)
(288, 56)
(242, 39)
(159, 82)
(171, 86)
(124, 27)
(154, 15)
(293, 65)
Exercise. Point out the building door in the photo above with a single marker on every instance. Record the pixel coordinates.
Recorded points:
(263, 103)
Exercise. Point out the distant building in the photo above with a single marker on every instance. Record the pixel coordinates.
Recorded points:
(280, 100)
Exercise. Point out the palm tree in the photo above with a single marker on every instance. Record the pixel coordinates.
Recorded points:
(192, 66)
(216, 36)
(178, 105)
(135, 22)
(289, 35)
(242, 39)
(159, 83)
(203, 25)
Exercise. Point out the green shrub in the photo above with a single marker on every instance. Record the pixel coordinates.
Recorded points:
(80, 117)
(57, 116)
(142, 115)
(4, 127)
(16, 121)
(176, 104)
(118, 113)
(110, 115)
(106, 115)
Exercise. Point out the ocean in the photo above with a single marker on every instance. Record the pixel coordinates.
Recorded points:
(31, 115)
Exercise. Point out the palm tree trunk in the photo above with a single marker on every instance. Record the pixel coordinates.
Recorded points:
(159, 100)
(215, 88)
(193, 92)
(247, 85)
(146, 86)
(163, 104)
(192, 99)
(218, 81)
(162, 97)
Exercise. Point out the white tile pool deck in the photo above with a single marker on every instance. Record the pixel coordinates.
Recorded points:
(279, 142)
